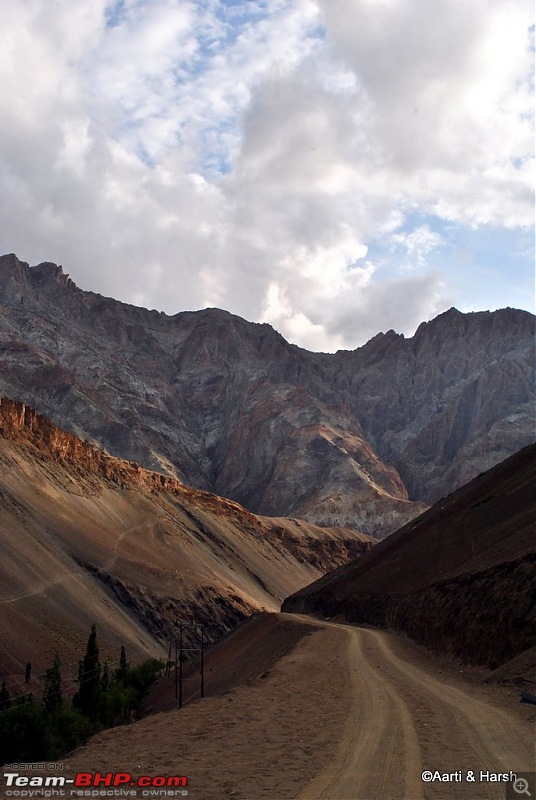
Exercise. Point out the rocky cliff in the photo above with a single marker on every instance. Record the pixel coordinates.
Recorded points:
(361, 439)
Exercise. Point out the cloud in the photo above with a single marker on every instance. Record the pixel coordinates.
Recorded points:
(449, 100)
(395, 304)
(179, 154)
(418, 244)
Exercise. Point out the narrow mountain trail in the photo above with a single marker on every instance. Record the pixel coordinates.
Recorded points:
(69, 575)
(340, 713)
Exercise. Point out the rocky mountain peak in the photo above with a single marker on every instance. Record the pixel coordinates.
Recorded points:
(357, 438)
(47, 272)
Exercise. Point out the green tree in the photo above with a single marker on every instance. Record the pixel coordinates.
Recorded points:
(71, 729)
(105, 679)
(88, 697)
(52, 690)
(117, 703)
(122, 672)
(142, 677)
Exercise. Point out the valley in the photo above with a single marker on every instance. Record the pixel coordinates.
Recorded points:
(342, 712)
(294, 705)
(353, 530)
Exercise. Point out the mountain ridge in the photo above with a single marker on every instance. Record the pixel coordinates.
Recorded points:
(363, 438)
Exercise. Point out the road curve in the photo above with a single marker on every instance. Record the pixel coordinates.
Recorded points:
(403, 720)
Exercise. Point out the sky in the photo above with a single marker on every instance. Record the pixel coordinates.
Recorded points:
(335, 168)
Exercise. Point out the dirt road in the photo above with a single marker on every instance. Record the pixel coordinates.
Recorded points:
(403, 721)
(338, 713)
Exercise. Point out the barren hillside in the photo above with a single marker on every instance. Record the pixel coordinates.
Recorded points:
(460, 579)
(90, 538)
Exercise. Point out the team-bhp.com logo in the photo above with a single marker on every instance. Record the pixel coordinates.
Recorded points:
(85, 783)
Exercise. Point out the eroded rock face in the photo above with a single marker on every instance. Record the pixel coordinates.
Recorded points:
(450, 402)
(231, 407)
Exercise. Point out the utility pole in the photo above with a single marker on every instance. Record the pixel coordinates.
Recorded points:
(168, 663)
(180, 651)
(176, 671)
(202, 660)
(180, 666)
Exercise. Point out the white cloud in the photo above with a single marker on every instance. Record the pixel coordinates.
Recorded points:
(184, 153)
(418, 244)
(449, 100)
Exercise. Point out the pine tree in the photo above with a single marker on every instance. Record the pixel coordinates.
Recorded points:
(105, 680)
(52, 690)
(88, 697)
(122, 672)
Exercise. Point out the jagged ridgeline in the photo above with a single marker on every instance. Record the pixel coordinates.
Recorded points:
(361, 439)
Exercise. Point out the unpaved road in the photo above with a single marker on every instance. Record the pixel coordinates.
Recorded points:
(403, 720)
(340, 713)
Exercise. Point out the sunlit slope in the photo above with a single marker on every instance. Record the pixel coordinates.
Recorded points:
(88, 538)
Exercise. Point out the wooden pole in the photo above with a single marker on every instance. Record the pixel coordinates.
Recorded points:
(202, 660)
(168, 664)
(180, 666)
(176, 672)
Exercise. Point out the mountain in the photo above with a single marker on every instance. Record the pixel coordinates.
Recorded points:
(86, 538)
(459, 579)
(362, 439)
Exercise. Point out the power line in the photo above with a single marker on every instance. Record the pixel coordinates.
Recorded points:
(180, 650)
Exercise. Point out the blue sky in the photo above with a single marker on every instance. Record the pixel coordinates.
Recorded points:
(484, 267)
(335, 169)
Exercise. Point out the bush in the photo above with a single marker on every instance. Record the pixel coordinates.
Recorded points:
(142, 677)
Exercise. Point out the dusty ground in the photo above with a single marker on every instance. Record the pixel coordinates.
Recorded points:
(342, 714)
